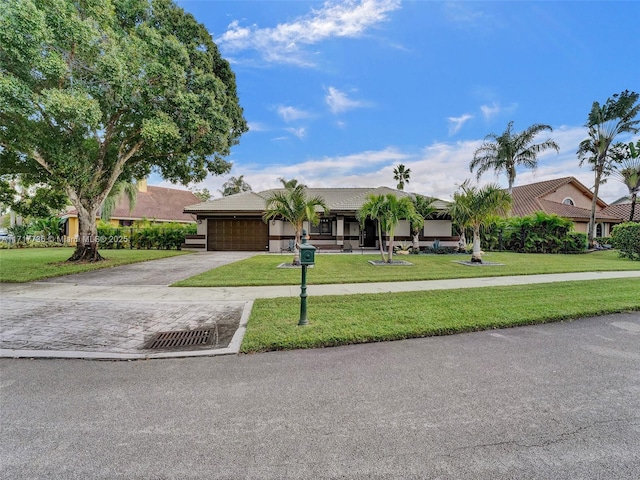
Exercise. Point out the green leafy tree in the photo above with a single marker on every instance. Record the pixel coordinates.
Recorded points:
(475, 207)
(401, 174)
(21, 196)
(96, 92)
(235, 185)
(294, 206)
(509, 150)
(627, 169)
(203, 195)
(604, 123)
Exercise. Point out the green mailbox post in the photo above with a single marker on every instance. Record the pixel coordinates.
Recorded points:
(307, 257)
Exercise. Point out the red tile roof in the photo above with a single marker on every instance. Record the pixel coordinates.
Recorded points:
(157, 203)
(622, 211)
(528, 199)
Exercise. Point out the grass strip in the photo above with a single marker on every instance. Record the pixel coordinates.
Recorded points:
(350, 319)
(28, 264)
(354, 268)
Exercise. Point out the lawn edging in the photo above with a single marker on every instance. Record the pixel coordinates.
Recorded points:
(352, 319)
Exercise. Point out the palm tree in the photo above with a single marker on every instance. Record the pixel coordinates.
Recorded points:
(627, 169)
(605, 122)
(424, 209)
(293, 183)
(235, 185)
(293, 205)
(119, 190)
(396, 209)
(372, 209)
(474, 207)
(387, 211)
(509, 150)
(401, 175)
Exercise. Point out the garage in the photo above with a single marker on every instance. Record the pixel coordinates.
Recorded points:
(237, 234)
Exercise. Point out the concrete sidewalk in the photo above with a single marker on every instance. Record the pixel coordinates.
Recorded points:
(107, 321)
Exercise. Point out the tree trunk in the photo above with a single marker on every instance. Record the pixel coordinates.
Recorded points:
(594, 203)
(87, 241)
(296, 248)
(416, 241)
(380, 240)
(476, 256)
(390, 248)
(634, 196)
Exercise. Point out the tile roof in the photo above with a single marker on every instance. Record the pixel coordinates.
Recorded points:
(337, 200)
(622, 211)
(159, 203)
(527, 199)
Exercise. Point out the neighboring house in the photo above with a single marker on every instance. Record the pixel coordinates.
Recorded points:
(235, 223)
(158, 204)
(567, 198)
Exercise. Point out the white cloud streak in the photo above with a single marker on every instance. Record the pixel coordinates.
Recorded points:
(291, 114)
(339, 102)
(458, 122)
(286, 42)
(436, 170)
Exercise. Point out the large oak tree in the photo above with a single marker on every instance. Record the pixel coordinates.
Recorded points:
(93, 92)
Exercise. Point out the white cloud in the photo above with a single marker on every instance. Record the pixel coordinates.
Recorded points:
(490, 111)
(458, 122)
(298, 132)
(291, 114)
(286, 42)
(436, 170)
(339, 102)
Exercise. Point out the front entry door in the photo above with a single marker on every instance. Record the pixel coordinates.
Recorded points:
(369, 233)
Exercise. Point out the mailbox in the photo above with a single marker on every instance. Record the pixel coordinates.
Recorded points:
(307, 253)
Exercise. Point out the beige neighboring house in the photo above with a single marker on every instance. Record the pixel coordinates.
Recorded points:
(158, 204)
(567, 198)
(234, 223)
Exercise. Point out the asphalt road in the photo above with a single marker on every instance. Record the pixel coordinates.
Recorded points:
(557, 401)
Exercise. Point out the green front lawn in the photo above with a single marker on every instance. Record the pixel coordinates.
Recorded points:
(29, 264)
(354, 268)
(342, 320)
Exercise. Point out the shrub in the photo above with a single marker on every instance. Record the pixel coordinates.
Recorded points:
(626, 238)
(161, 236)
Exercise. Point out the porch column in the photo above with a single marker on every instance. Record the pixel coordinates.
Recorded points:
(340, 230)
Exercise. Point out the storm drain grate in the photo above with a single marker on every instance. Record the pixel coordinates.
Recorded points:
(184, 338)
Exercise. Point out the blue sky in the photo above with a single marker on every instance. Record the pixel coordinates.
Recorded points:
(338, 93)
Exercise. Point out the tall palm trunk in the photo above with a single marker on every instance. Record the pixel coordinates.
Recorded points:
(594, 204)
(634, 196)
(379, 225)
(476, 256)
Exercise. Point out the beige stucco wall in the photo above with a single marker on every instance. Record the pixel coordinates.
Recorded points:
(569, 191)
(403, 229)
(437, 228)
(202, 227)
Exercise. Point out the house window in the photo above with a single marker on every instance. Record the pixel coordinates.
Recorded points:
(599, 232)
(126, 223)
(323, 228)
(568, 201)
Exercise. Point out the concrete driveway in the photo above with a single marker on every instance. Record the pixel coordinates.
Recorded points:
(157, 272)
(558, 401)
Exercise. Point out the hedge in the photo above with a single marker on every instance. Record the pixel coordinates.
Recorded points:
(626, 238)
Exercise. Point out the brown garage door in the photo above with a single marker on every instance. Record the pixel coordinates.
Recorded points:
(237, 234)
